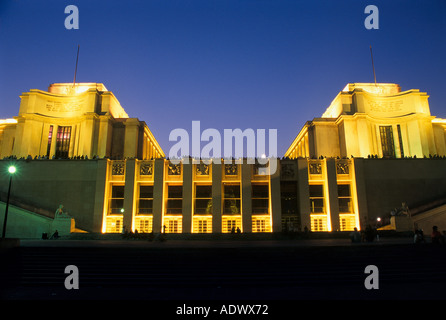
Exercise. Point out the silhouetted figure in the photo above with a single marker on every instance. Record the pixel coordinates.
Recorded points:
(55, 235)
(369, 233)
(355, 236)
(419, 237)
(437, 237)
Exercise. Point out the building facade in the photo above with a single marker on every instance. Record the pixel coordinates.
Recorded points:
(374, 148)
(373, 120)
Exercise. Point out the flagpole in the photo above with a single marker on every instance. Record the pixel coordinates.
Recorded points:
(75, 70)
(373, 66)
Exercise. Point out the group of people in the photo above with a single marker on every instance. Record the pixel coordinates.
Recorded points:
(368, 235)
(436, 236)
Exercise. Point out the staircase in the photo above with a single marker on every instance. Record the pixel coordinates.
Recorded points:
(161, 272)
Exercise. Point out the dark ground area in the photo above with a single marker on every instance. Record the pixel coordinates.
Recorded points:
(237, 272)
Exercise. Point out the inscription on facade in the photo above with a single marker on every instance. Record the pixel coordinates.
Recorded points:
(55, 106)
(386, 106)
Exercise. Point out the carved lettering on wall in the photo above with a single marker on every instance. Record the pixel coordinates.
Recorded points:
(70, 106)
(386, 106)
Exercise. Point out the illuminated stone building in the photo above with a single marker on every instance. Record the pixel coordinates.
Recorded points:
(374, 148)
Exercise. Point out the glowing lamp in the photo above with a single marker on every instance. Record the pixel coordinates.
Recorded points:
(12, 169)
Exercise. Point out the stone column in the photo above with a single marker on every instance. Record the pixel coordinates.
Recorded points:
(129, 194)
(187, 197)
(303, 193)
(359, 188)
(246, 194)
(216, 198)
(332, 196)
(275, 198)
(131, 138)
(158, 194)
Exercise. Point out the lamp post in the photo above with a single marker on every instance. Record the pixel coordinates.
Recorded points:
(11, 171)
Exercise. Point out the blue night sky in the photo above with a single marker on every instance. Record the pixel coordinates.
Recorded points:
(260, 64)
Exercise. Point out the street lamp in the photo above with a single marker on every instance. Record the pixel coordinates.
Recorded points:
(11, 171)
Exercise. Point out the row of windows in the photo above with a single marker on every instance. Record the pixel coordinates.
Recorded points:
(202, 199)
(173, 224)
(231, 206)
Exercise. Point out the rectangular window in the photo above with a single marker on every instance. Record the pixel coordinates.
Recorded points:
(344, 198)
(113, 224)
(174, 199)
(116, 201)
(202, 226)
(260, 198)
(63, 142)
(261, 224)
(288, 197)
(50, 139)
(231, 224)
(318, 223)
(317, 198)
(173, 226)
(347, 222)
(145, 202)
(400, 140)
(387, 143)
(231, 199)
(290, 223)
(203, 199)
(143, 224)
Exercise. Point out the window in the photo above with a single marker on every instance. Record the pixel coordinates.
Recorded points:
(290, 223)
(318, 223)
(202, 224)
(143, 224)
(50, 138)
(145, 203)
(230, 224)
(174, 199)
(317, 198)
(261, 224)
(231, 199)
(63, 142)
(387, 143)
(288, 197)
(203, 199)
(344, 198)
(116, 202)
(400, 140)
(260, 198)
(347, 222)
(113, 224)
(173, 224)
